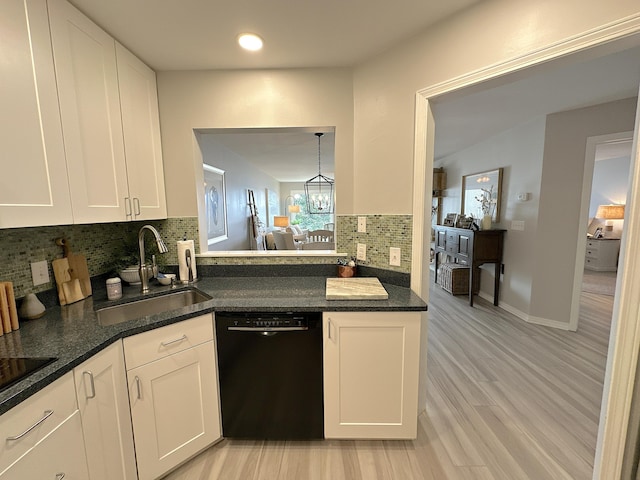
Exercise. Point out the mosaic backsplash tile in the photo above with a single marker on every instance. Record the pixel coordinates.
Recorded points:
(107, 244)
(383, 232)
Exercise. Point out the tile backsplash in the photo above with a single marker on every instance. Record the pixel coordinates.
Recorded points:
(104, 243)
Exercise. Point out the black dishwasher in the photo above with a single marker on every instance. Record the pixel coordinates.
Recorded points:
(270, 373)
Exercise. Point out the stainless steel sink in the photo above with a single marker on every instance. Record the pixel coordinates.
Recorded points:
(149, 306)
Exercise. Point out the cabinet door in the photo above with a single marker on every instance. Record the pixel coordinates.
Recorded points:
(59, 455)
(85, 64)
(101, 387)
(174, 408)
(371, 374)
(141, 126)
(33, 186)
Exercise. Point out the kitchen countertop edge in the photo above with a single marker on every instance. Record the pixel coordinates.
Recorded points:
(73, 335)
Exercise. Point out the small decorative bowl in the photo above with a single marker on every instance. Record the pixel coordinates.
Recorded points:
(166, 278)
(346, 271)
(131, 275)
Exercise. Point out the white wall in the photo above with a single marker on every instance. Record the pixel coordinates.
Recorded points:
(610, 182)
(250, 98)
(519, 152)
(240, 175)
(487, 34)
(560, 201)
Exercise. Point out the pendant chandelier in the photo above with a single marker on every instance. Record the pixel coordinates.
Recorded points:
(319, 190)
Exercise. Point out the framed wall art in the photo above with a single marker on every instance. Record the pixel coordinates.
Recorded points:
(215, 204)
(482, 194)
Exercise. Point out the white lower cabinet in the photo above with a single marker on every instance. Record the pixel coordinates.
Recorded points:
(101, 389)
(42, 437)
(60, 455)
(174, 397)
(371, 374)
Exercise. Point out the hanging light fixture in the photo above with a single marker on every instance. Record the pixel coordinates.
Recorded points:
(319, 190)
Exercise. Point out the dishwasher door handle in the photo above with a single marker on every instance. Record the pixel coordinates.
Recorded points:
(267, 329)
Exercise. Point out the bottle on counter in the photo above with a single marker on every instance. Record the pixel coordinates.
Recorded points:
(114, 288)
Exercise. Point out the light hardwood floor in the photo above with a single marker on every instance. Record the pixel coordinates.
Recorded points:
(506, 400)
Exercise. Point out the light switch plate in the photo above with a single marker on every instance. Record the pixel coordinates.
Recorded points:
(517, 225)
(394, 256)
(361, 252)
(362, 224)
(40, 273)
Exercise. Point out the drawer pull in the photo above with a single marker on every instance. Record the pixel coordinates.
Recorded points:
(136, 203)
(60, 476)
(127, 203)
(138, 387)
(47, 414)
(91, 384)
(177, 340)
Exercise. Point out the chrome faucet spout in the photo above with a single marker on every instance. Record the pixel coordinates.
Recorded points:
(162, 248)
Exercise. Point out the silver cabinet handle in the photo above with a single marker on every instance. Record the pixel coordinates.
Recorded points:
(91, 384)
(329, 329)
(139, 387)
(177, 340)
(127, 202)
(47, 414)
(136, 203)
(60, 476)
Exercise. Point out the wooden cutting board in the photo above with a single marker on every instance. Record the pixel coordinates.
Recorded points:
(72, 275)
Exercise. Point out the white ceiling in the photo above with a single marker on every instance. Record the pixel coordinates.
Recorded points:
(287, 154)
(201, 34)
(464, 119)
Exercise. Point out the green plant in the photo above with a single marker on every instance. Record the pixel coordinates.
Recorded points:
(130, 251)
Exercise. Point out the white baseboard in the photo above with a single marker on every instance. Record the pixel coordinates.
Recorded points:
(545, 322)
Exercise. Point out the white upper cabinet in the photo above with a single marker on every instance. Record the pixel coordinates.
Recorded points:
(33, 185)
(141, 127)
(87, 76)
(110, 122)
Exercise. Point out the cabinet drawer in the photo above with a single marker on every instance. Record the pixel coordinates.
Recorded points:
(592, 253)
(58, 398)
(155, 344)
(59, 455)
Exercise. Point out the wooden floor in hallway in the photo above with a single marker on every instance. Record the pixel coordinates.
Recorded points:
(506, 400)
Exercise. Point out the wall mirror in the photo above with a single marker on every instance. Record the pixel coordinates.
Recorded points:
(265, 170)
(482, 194)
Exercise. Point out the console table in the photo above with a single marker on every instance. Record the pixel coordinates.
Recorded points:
(472, 248)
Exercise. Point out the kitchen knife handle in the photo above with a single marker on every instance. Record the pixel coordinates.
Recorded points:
(138, 386)
(127, 202)
(47, 414)
(136, 205)
(91, 384)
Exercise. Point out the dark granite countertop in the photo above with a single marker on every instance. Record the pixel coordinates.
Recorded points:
(72, 333)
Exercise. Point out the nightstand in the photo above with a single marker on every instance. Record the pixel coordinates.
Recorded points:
(602, 254)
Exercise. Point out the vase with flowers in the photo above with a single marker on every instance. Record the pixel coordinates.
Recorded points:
(487, 206)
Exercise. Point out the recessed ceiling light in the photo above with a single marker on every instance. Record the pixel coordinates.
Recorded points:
(250, 41)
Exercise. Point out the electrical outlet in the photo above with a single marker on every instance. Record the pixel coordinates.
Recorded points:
(362, 224)
(361, 252)
(40, 272)
(394, 256)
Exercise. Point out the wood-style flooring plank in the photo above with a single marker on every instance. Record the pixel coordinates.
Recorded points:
(506, 400)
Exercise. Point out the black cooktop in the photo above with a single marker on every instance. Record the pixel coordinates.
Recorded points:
(14, 369)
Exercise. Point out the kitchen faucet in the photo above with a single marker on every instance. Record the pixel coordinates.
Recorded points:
(162, 248)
